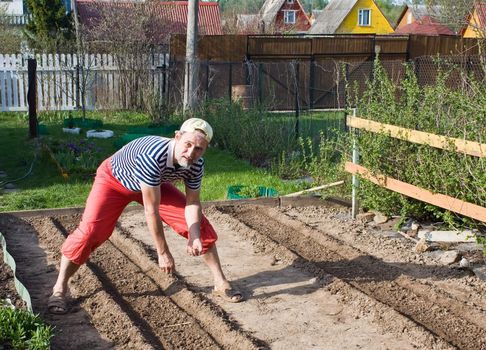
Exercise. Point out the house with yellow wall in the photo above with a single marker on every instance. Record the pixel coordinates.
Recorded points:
(351, 17)
(476, 27)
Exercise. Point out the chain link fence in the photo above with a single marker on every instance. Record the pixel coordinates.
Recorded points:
(297, 85)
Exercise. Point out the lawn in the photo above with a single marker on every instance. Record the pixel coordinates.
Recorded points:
(41, 184)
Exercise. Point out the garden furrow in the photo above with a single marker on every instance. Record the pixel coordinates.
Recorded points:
(161, 322)
(381, 281)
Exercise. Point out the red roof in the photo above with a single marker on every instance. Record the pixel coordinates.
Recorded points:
(426, 25)
(173, 15)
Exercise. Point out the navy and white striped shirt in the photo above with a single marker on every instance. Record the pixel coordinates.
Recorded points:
(149, 160)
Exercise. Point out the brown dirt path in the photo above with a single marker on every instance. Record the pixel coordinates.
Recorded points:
(313, 279)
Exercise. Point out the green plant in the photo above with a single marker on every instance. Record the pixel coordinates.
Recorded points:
(79, 156)
(251, 134)
(20, 329)
(248, 191)
(451, 105)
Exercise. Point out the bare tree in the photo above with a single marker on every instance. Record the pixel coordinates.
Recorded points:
(132, 33)
(457, 14)
(10, 36)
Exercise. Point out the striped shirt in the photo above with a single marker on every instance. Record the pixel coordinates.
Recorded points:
(149, 160)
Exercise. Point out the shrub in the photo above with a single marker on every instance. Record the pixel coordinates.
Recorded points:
(20, 329)
(254, 135)
(454, 107)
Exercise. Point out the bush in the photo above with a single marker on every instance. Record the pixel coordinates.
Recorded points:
(20, 329)
(254, 135)
(453, 107)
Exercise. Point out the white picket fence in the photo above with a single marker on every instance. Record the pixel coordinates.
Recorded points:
(60, 81)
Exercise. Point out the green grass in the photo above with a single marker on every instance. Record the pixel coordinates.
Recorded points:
(45, 187)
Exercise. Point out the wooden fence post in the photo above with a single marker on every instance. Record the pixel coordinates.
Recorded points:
(230, 80)
(32, 96)
(311, 82)
(297, 107)
(355, 181)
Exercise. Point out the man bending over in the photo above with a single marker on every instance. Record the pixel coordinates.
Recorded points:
(143, 171)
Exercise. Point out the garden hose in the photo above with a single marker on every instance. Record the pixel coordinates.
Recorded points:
(10, 261)
(36, 154)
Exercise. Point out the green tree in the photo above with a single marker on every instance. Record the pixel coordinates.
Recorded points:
(391, 10)
(238, 6)
(50, 29)
(310, 5)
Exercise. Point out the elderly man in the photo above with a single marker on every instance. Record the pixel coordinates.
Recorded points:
(142, 171)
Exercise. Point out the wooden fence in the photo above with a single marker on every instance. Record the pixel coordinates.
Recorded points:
(311, 72)
(238, 48)
(446, 202)
(65, 82)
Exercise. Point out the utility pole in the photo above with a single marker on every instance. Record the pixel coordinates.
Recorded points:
(191, 71)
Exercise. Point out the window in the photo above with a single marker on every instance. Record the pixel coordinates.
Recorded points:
(409, 18)
(364, 17)
(290, 2)
(289, 17)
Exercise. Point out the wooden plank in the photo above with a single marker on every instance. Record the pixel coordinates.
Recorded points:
(462, 146)
(317, 188)
(9, 81)
(446, 202)
(22, 82)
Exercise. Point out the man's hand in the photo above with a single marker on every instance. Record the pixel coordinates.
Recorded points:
(166, 262)
(194, 246)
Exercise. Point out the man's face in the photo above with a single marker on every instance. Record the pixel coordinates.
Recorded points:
(189, 147)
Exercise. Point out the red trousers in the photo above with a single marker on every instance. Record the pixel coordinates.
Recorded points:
(104, 206)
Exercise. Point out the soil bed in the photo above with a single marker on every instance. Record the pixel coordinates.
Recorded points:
(312, 277)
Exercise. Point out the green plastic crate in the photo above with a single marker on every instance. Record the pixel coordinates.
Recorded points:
(42, 129)
(235, 192)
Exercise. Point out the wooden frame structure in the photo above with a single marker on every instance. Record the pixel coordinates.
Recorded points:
(446, 202)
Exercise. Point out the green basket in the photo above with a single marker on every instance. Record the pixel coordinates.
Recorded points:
(242, 192)
(42, 129)
(126, 138)
(83, 123)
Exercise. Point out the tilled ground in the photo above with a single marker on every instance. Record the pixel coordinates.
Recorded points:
(341, 285)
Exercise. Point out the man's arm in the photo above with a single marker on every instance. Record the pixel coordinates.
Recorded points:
(193, 214)
(151, 202)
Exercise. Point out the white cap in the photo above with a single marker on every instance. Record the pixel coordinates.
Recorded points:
(196, 124)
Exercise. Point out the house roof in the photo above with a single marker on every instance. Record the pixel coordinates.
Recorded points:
(426, 25)
(332, 16)
(174, 14)
(270, 9)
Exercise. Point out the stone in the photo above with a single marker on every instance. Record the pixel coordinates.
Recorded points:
(464, 263)
(449, 257)
(422, 246)
(380, 218)
(411, 233)
(447, 236)
(9, 186)
(480, 272)
(365, 217)
(407, 225)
